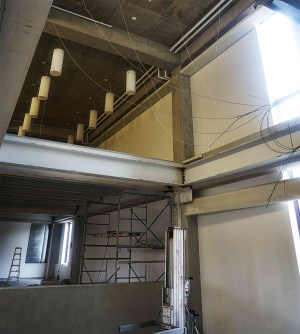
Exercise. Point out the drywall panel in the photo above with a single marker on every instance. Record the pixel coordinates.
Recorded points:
(99, 309)
(249, 273)
(231, 85)
(148, 135)
(16, 235)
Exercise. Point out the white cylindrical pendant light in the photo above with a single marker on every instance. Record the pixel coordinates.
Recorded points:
(93, 119)
(20, 131)
(109, 103)
(44, 88)
(34, 107)
(57, 62)
(130, 82)
(26, 123)
(80, 132)
(70, 139)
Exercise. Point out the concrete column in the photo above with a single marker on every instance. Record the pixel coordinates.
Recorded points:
(183, 140)
(78, 242)
(192, 256)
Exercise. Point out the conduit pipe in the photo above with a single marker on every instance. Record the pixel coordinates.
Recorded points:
(206, 19)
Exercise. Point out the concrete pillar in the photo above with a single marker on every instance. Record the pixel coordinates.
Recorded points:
(78, 242)
(183, 140)
(192, 255)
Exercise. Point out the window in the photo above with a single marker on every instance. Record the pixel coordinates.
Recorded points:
(37, 248)
(279, 41)
(67, 244)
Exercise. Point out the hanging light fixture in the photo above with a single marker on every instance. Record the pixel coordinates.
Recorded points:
(26, 123)
(80, 132)
(44, 88)
(34, 107)
(93, 119)
(130, 82)
(20, 131)
(109, 103)
(70, 139)
(57, 62)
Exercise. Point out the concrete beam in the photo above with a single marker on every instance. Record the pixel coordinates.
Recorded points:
(69, 162)
(287, 190)
(111, 40)
(22, 25)
(245, 157)
(183, 137)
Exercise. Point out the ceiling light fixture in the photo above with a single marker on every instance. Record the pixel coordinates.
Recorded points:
(34, 107)
(93, 119)
(20, 131)
(70, 139)
(109, 103)
(26, 123)
(57, 62)
(80, 132)
(133, 18)
(44, 88)
(130, 82)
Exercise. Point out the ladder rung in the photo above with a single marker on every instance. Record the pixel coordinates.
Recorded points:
(106, 258)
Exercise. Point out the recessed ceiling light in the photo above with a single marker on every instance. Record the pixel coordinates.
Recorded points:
(67, 124)
(44, 63)
(77, 112)
(133, 18)
(106, 80)
(34, 84)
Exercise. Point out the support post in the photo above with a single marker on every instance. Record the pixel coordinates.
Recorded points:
(183, 137)
(78, 241)
(181, 197)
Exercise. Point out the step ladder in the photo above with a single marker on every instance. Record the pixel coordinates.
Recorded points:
(14, 271)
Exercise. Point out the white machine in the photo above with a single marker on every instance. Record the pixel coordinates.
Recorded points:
(176, 318)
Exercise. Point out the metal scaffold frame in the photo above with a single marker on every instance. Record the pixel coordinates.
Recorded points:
(137, 237)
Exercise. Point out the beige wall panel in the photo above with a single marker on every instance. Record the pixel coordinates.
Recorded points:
(148, 135)
(235, 76)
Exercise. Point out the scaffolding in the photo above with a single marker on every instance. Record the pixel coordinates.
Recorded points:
(125, 244)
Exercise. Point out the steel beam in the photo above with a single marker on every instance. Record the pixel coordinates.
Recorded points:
(287, 190)
(35, 157)
(111, 40)
(245, 157)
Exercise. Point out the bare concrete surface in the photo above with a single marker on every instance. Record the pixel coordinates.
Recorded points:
(78, 309)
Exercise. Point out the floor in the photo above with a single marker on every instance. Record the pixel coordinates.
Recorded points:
(22, 283)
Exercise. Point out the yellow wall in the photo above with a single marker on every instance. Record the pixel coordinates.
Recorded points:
(148, 135)
(236, 75)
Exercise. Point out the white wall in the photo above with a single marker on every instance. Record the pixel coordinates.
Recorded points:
(249, 273)
(237, 76)
(16, 235)
(153, 271)
(148, 135)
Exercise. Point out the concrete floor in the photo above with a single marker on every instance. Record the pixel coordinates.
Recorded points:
(21, 284)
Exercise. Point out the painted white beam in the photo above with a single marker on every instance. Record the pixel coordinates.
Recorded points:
(34, 157)
(22, 25)
(245, 198)
(244, 157)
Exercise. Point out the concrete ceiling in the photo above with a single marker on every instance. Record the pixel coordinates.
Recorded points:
(68, 102)
(155, 19)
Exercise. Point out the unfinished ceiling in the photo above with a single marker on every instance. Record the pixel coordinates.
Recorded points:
(92, 67)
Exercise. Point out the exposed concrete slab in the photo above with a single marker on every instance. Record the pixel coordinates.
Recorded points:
(111, 40)
(78, 309)
(21, 28)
